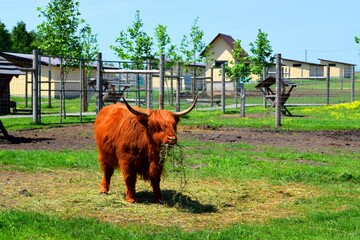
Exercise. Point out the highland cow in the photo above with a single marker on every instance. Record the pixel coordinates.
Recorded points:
(131, 139)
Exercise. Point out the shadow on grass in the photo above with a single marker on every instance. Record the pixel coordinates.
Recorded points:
(178, 200)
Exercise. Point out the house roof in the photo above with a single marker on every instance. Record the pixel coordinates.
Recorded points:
(227, 38)
(331, 61)
(7, 68)
(303, 62)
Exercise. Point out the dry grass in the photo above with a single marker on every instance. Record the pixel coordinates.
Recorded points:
(205, 204)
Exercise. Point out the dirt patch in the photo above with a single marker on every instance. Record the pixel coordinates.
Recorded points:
(80, 136)
(74, 137)
(318, 141)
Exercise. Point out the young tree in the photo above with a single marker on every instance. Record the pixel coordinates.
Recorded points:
(239, 69)
(22, 41)
(5, 38)
(262, 54)
(89, 45)
(134, 44)
(61, 35)
(163, 41)
(191, 47)
(58, 34)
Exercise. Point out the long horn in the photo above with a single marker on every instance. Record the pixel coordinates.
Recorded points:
(183, 113)
(135, 112)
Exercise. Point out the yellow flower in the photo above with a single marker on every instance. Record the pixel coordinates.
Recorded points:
(349, 106)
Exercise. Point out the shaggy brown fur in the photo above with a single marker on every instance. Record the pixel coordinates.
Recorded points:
(133, 144)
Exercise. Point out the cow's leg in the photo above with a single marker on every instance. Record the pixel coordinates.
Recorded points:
(130, 182)
(105, 183)
(155, 183)
(155, 175)
(129, 175)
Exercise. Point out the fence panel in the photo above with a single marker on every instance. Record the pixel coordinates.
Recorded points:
(76, 95)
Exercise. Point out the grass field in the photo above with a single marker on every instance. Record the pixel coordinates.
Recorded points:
(234, 190)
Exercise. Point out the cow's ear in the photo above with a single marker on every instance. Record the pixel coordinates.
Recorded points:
(143, 119)
(177, 119)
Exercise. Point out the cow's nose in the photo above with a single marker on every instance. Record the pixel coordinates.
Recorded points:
(172, 139)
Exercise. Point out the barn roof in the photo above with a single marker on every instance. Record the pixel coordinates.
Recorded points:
(303, 62)
(331, 61)
(25, 60)
(7, 68)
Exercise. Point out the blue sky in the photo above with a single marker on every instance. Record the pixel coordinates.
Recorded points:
(322, 28)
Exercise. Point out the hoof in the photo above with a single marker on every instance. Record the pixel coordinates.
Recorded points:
(104, 193)
(130, 200)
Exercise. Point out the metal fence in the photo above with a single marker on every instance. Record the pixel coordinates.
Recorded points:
(78, 94)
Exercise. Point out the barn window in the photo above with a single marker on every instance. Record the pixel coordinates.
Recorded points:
(316, 71)
(297, 65)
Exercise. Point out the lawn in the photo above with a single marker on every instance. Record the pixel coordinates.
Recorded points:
(221, 190)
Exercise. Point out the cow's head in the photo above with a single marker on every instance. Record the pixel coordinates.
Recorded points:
(161, 123)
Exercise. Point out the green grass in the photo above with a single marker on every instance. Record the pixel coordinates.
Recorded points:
(332, 213)
(337, 117)
(320, 225)
(218, 161)
(235, 190)
(41, 160)
(12, 124)
(271, 163)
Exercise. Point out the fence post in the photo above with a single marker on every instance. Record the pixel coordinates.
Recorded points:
(353, 83)
(223, 87)
(212, 86)
(278, 90)
(49, 84)
(264, 75)
(242, 99)
(61, 89)
(99, 83)
(149, 85)
(194, 82)
(39, 87)
(35, 100)
(178, 86)
(81, 96)
(84, 91)
(161, 77)
(171, 87)
(328, 84)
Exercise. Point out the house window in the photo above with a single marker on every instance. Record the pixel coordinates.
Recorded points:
(219, 63)
(297, 65)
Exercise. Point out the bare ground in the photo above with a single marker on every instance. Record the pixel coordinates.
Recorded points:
(81, 137)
